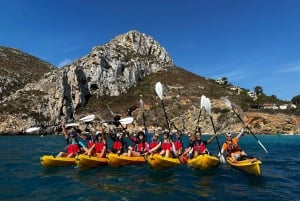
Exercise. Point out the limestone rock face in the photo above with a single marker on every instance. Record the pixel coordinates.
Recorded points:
(111, 69)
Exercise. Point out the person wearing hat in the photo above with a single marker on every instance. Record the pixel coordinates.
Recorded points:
(154, 142)
(119, 145)
(74, 145)
(232, 148)
(97, 144)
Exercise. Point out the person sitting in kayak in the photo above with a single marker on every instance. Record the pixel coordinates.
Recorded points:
(74, 145)
(177, 143)
(97, 147)
(165, 146)
(119, 145)
(154, 142)
(201, 145)
(140, 145)
(196, 145)
(232, 148)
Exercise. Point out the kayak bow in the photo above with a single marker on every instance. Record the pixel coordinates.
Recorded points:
(51, 161)
(204, 162)
(249, 165)
(158, 162)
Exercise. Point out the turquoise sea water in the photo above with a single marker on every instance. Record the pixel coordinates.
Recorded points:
(23, 178)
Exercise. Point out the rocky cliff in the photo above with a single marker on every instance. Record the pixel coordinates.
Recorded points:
(117, 73)
(111, 70)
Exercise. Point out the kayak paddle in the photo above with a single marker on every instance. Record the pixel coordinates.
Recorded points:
(207, 106)
(228, 104)
(159, 92)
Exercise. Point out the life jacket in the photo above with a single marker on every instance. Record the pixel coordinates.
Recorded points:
(117, 145)
(166, 146)
(90, 143)
(153, 144)
(72, 149)
(139, 147)
(200, 147)
(99, 147)
(232, 147)
(178, 144)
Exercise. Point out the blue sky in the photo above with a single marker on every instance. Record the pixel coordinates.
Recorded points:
(251, 42)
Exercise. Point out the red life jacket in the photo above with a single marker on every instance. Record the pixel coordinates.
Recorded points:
(166, 146)
(139, 147)
(200, 147)
(99, 147)
(178, 144)
(153, 144)
(72, 149)
(117, 145)
(90, 143)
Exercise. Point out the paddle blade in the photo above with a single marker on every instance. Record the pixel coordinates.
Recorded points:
(88, 118)
(33, 129)
(142, 105)
(126, 120)
(222, 159)
(71, 125)
(226, 101)
(202, 101)
(207, 105)
(159, 90)
(262, 146)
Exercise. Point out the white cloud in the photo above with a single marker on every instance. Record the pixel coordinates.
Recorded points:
(64, 62)
(290, 69)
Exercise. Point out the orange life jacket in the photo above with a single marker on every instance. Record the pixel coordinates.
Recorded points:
(232, 147)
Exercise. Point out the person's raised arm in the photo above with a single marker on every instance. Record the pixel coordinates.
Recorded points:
(65, 132)
(241, 132)
(211, 138)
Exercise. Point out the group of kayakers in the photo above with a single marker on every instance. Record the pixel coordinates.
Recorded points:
(169, 146)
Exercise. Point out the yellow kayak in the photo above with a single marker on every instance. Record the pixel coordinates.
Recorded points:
(159, 162)
(204, 162)
(116, 160)
(249, 165)
(51, 161)
(85, 161)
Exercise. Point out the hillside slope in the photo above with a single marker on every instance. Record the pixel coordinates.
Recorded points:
(18, 69)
